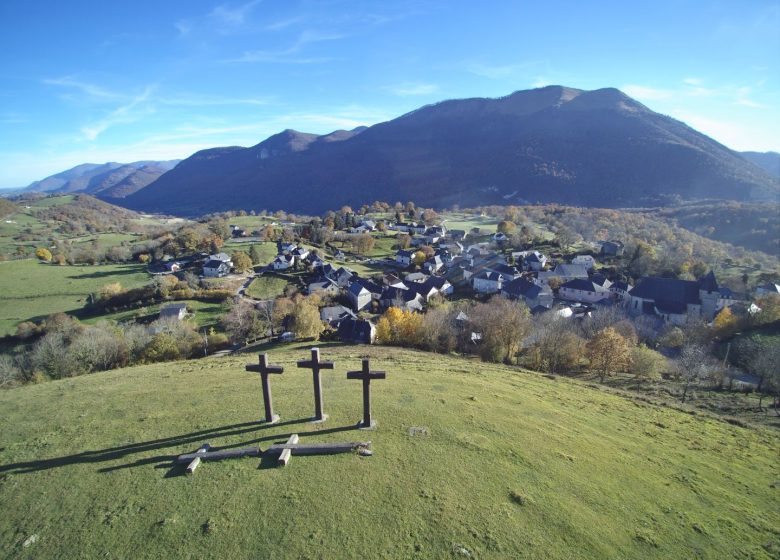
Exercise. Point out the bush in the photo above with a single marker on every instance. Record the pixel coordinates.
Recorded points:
(161, 348)
(646, 362)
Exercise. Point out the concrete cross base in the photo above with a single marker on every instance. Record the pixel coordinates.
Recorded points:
(318, 421)
(274, 419)
(363, 426)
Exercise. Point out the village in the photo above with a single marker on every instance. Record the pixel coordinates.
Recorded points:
(430, 263)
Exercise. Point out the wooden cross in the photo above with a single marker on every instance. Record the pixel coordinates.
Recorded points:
(366, 375)
(316, 365)
(265, 369)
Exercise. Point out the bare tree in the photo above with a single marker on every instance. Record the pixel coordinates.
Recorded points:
(692, 366)
(504, 324)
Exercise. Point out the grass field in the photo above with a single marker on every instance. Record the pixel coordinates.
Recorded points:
(266, 287)
(503, 464)
(205, 314)
(33, 290)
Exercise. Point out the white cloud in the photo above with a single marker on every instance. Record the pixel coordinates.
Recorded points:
(121, 115)
(410, 89)
(306, 38)
(233, 15)
(90, 90)
(644, 93)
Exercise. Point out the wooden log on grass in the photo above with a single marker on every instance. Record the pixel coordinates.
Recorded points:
(221, 454)
(318, 448)
(196, 461)
(284, 456)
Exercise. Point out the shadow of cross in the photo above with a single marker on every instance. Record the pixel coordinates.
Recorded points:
(265, 369)
(315, 365)
(366, 375)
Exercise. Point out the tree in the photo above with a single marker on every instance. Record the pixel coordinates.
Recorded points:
(506, 227)
(43, 254)
(418, 258)
(243, 321)
(504, 324)
(692, 366)
(646, 362)
(725, 323)
(306, 318)
(403, 241)
(608, 352)
(241, 261)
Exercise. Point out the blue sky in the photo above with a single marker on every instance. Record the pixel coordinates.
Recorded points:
(124, 81)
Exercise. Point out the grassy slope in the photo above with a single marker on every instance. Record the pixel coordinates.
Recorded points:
(85, 464)
(266, 287)
(33, 290)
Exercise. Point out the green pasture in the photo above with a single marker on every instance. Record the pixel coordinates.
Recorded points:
(266, 287)
(32, 290)
(469, 461)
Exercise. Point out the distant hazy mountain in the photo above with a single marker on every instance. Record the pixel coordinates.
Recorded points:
(768, 161)
(554, 144)
(109, 180)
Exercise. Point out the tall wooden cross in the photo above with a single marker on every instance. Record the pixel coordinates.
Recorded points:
(315, 365)
(366, 375)
(265, 369)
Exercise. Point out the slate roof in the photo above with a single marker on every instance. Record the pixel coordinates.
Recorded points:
(571, 270)
(355, 330)
(488, 275)
(584, 285)
(215, 264)
(520, 287)
(335, 313)
(356, 288)
(670, 295)
(708, 283)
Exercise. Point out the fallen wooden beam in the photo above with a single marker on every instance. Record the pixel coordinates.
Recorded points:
(221, 454)
(284, 456)
(318, 448)
(196, 461)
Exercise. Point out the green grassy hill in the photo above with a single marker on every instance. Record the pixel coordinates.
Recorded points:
(514, 465)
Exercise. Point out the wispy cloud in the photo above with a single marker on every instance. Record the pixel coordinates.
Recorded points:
(691, 88)
(233, 14)
(124, 114)
(645, 93)
(408, 89)
(194, 100)
(288, 55)
(90, 90)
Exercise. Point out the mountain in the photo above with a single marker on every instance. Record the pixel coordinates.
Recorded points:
(109, 180)
(768, 161)
(553, 144)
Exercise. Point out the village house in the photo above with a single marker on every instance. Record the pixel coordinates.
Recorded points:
(564, 273)
(416, 277)
(441, 284)
(404, 258)
(404, 299)
(487, 282)
(767, 289)
(359, 297)
(357, 331)
(335, 314)
(283, 262)
(612, 249)
(585, 260)
(621, 290)
(532, 294)
(584, 291)
(323, 286)
(216, 269)
(677, 301)
(534, 261)
(175, 311)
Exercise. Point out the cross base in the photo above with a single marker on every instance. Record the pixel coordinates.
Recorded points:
(363, 426)
(318, 420)
(274, 419)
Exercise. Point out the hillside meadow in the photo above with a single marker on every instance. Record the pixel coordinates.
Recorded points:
(470, 461)
(33, 290)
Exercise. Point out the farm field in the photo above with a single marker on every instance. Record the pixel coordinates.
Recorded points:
(266, 287)
(470, 460)
(32, 290)
(205, 314)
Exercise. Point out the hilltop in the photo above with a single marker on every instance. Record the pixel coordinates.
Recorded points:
(506, 464)
(553, 144)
